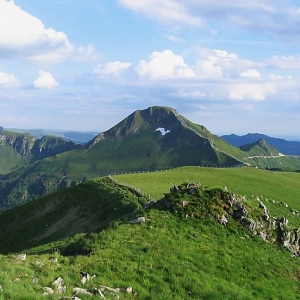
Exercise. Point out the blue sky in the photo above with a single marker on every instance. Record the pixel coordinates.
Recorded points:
(232, 66)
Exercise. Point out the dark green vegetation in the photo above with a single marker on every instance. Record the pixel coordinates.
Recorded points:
(156, 138)
(181, 253)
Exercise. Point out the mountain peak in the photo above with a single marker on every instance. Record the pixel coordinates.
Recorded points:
(260, 147)
(152, 118)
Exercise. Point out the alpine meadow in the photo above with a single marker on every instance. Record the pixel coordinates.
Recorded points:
(157, 207)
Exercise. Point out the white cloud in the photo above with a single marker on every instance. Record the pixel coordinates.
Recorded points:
(45, 81)
(190, 94)
(284, 62)
(174, 38)
(247, 91)
(261, 16)
(113, 68)
(8, 80)
(25, 36)
(166, 11)
(164, 65)
(250, 73)
(215, 63)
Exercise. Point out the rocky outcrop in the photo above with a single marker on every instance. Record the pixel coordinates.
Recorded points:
(27, 145)
(23, 144)
(223, 206)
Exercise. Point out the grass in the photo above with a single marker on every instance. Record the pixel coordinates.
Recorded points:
(168, 256)
(281, 186)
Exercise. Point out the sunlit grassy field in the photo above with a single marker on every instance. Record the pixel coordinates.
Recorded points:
(168, 256)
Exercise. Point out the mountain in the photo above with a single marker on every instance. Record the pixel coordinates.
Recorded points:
(152, 139)
(80, 137)
(195, 242)
(283, 146)
(17, 149)
(259, 148)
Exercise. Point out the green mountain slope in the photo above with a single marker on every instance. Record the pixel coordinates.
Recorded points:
(156, 138)
(180, 250)
(260, 148)
(19, 149)
(151, 139)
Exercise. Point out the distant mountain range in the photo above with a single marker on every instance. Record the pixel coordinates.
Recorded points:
(283, 146)
(156, 138)
(74, 136)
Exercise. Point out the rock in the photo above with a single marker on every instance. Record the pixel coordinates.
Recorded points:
(266, 216)
(98, 292)
(149, 204)
(38, 263)
(263, 235)
(223, 220)
(284, 221)
(53, 260)
(233, 200)
(35, 280)
(138, 220)
(21, 256)
(107, 288)
(58, 284)
(84, 277)
(78, 290)
(248, 223)
(48, 291)
(240, 212)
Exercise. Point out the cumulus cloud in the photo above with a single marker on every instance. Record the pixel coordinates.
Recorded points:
(8, 80)
(216, 63)
(164, 65)
(25, 36)
(247, 91)
(113, 68)
(45, 81)
(250, 73)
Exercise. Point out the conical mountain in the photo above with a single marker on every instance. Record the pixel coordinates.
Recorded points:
(159, 138)
(156, 138)
(260, 148)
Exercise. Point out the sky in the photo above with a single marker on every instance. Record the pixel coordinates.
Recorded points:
(232, 66)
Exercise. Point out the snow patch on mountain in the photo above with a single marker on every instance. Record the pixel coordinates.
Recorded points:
(163, 130)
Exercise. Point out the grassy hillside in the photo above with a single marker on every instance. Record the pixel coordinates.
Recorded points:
(134, 144)
(259, 148)
(278, 186)
(10, 159)
(168, 256)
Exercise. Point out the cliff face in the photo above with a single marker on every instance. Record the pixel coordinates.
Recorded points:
(50, 146)
(23, 144)
(27, 145)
